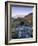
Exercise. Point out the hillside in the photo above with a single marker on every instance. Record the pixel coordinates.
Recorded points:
(27, 20)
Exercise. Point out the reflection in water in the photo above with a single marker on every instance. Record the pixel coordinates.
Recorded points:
(23, 32)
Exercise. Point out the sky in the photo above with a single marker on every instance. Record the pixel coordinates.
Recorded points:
(20, 11)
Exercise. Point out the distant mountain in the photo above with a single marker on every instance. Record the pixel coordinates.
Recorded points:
(29, 17)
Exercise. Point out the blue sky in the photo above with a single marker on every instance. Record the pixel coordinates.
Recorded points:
(20, 11)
